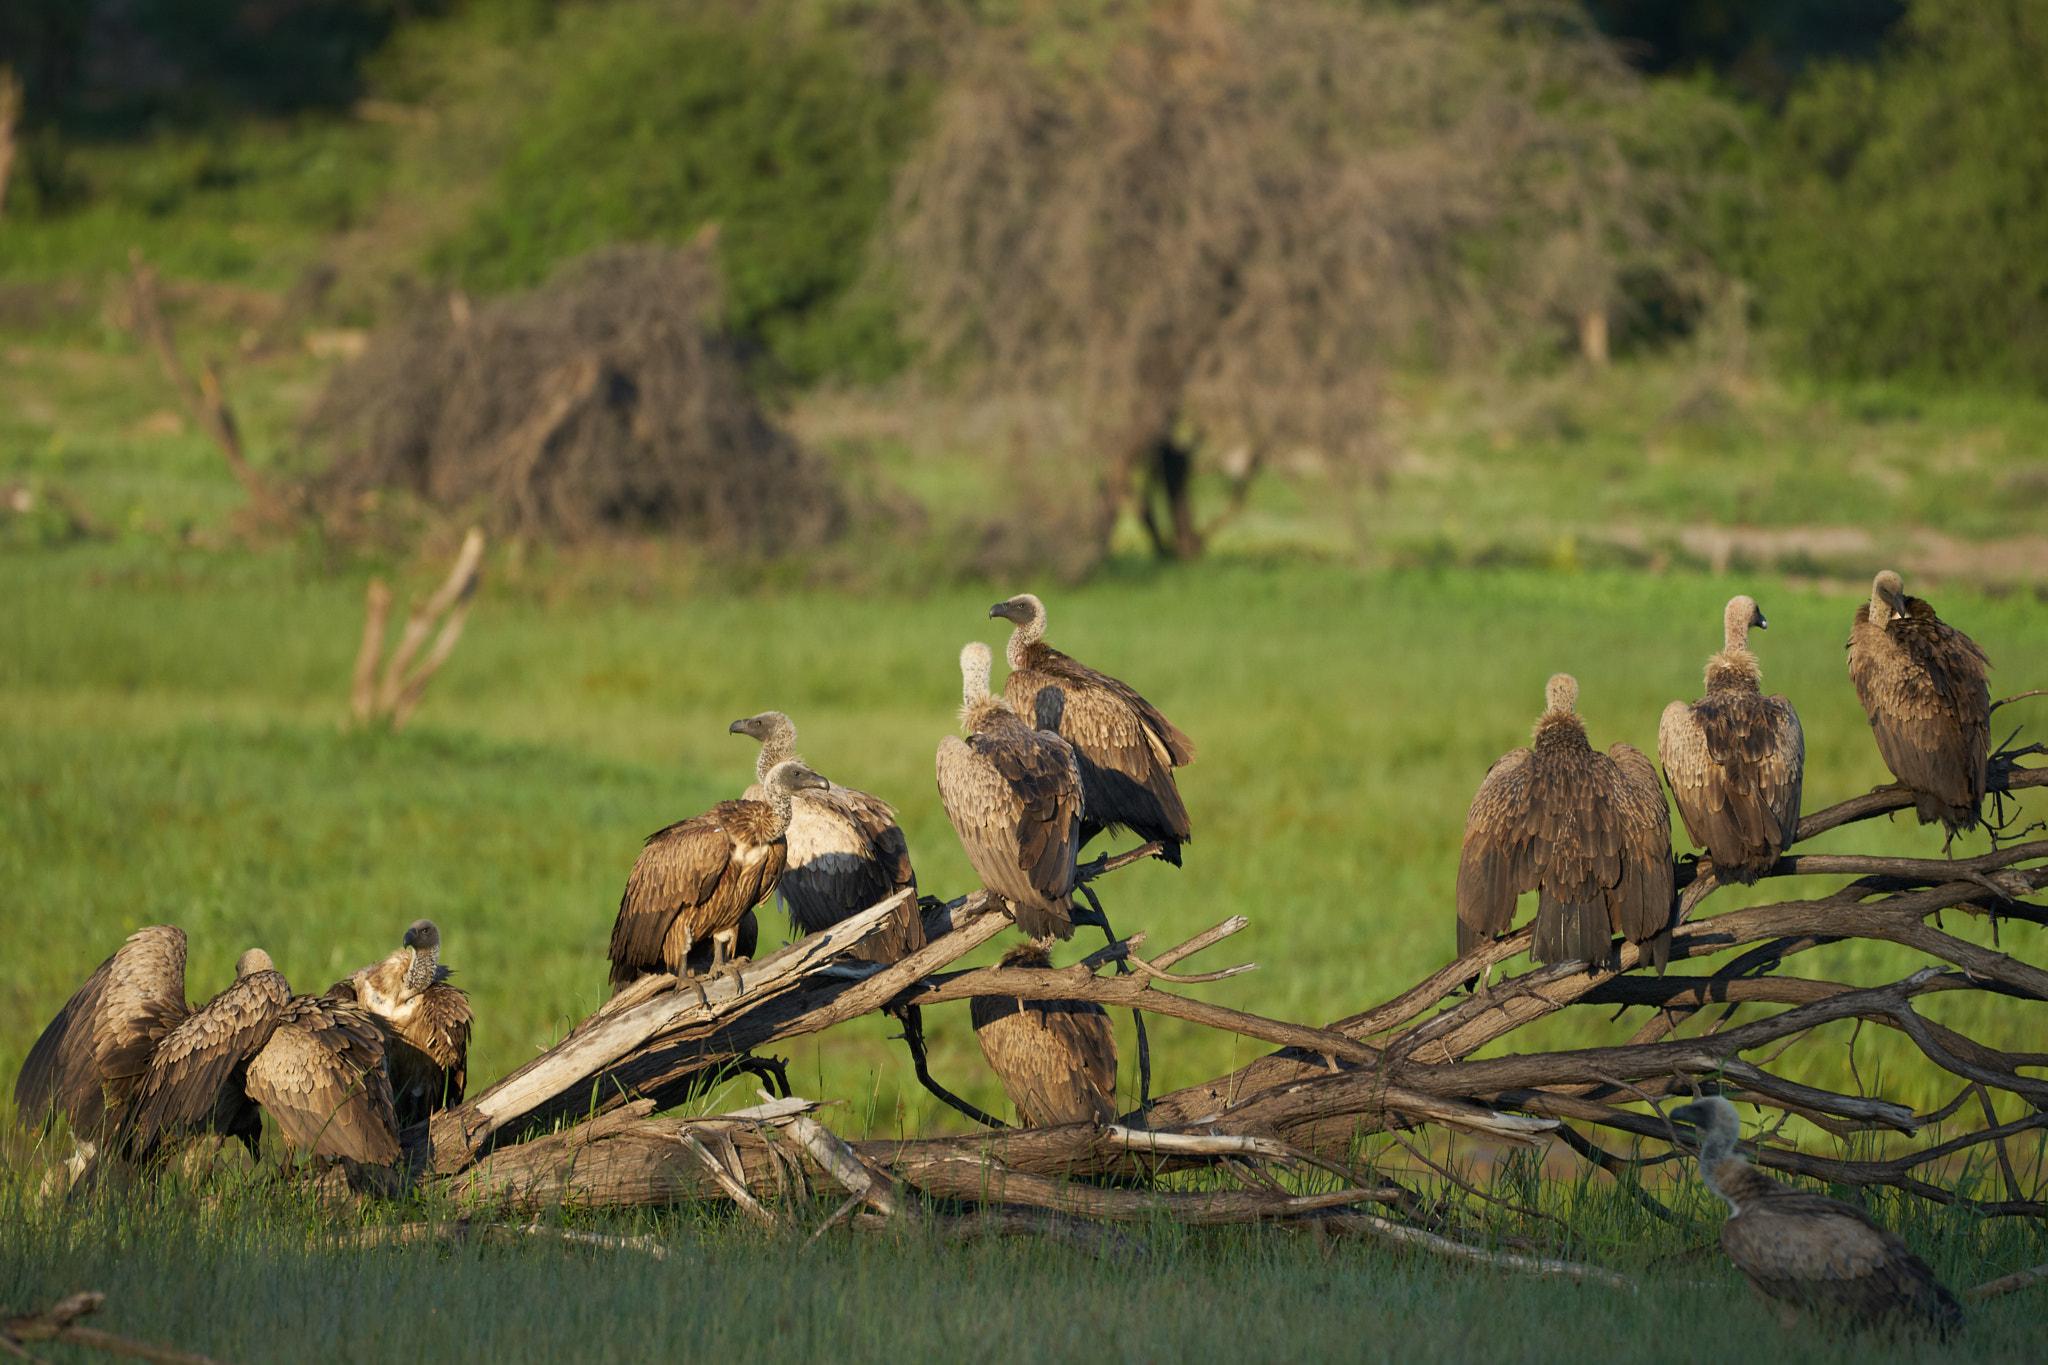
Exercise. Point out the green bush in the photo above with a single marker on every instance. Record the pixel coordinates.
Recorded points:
(781, 124)
(1910, 222)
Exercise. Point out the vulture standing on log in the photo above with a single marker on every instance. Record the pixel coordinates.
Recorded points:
(846, 851)
(1589, 831)
(1922, 684)
(1013, 794)
(1126, 750)
(317, 1066)
(425, 1022)
(1735, 759)
(1056, 1058)
(696, 880)
(89, 1060)
(1809, 1251)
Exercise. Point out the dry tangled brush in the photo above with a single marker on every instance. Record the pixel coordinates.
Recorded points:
(607, 401)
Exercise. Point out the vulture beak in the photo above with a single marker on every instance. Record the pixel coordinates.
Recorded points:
(738, 727)
(1758, 620)
(999, 609)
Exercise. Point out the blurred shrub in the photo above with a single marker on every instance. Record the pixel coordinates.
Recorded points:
(1909, 224)
(782, 122)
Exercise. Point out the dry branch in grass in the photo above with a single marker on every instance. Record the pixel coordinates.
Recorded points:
(393, 699)
(59, 1323)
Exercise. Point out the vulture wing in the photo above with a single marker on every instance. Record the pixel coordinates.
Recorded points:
(321, 1076)
(1056, 1058)
(1825, 1255)
(678, 869)
(1639, 901)
(1497, 861)
(1736, 762)
(426, 1054)
(1125, 749)
(199, 1063)
(1924, 686)
(1016, 817)
(95, 1050)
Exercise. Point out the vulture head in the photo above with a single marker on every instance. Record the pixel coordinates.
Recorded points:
(1887, 598)
(1024, 611)
(425, 941)
(252, 962)
(1742, 614)
(769, 726)
(791, 776)
(1560, 695)
(976, 662)
(1718, 1125)
(1027, 955)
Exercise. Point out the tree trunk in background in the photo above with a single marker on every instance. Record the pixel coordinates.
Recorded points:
(1593, 335)
(1170, 474)
(10, 119)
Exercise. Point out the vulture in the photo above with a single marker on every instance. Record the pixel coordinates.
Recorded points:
(846, 851)
(425, 1022)
(1735, 758)
(1013, 794)
(317, 1065)
(1922, 683)
(1056, 1058)
(1588, 831)
(88, 1061)
(1125, 749)
(1809, 1251)
(696, 881)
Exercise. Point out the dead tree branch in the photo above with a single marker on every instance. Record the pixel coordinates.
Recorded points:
(58, 1323)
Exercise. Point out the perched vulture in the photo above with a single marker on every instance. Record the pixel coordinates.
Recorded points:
(317, 1065)
(1125, 749)
(1922, 684)
(89, 1060)
(846, 851)
(1735, 759)
(1589, 831)
(1056, 1058)
(695, 881)
(425, 1022)
(1013, 794)
(1809, 1251)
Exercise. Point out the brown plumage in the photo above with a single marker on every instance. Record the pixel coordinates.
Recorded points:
(317, 1066)
(1735, 758)
(1922, 683)
(696, 880)
(1590, 832)
(1013, 794)
(1809, 1251)
(425, 1023)
(845, 851)
(1125, 749)
(1056, 1058)
(88, 1061)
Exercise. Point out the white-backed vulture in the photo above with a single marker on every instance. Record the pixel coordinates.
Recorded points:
(697, 879)
(1806, 1250)
(88, 1062)
(1013, 794)
(317, 1066)
(1056, 1058)
(1735, 758)
(1922, 683)
(1588, 831)
(846, 851)
(426, 1023)
(1126, 750)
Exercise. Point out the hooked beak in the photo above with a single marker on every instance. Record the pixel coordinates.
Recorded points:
(999, 609)
(738, 727)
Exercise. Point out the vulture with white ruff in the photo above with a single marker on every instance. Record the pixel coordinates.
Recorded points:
(1056, 1058)
(317, 1065)
(1588, 831)
(1013, 794)
(1922, 683)
(1125, 749)
(1735, 758)
(696, 880)
(1807, 1250)
(845, 851)
(426, 1023)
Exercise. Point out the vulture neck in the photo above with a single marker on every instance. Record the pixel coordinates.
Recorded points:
(1734, 669)
(778, 803)
(420, 974)
(779, 746)
(1560, 730)
(1027, 634)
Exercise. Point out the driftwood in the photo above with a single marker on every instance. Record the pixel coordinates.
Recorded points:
(392, 700)
(59, 1323)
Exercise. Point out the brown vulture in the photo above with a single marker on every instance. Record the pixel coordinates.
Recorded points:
(317, 1065)
(695, 881)
(1125, 749)
(1588, 831)
(425, 1021)
(1922, 683)
(1806, 1250)
(88, 1061)
(1056, 1058)
(1735, 759)
(846, 851)
(1013, 794)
